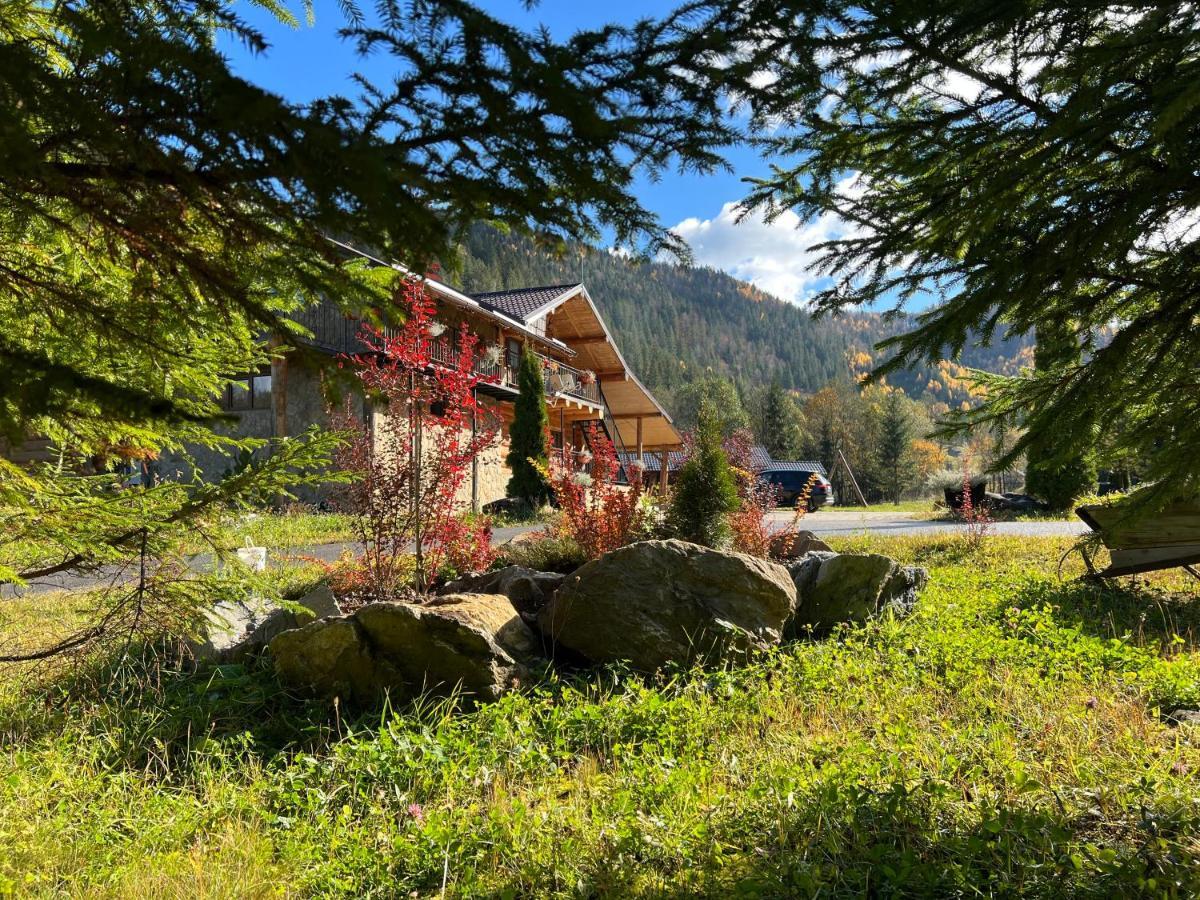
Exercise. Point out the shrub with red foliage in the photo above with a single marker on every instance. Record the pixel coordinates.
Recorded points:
(756, 498)
(466, 545)
(977, 518)
(412, 461)
(599, 514)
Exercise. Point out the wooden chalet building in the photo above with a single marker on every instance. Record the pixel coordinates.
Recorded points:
(587, 379)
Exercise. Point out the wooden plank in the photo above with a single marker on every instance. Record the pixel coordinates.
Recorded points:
(1150, 559)
(1178, 524)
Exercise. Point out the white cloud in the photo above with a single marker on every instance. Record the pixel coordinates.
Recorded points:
(774, 257)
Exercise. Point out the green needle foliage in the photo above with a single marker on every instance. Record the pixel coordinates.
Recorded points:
(1025, 163)
(160, 217)
(705, 493)
(528, 456)
(780, 429)
(895, 441)
(1058, 469)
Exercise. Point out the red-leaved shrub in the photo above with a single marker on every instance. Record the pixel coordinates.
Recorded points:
(411, 461)
(597, 512)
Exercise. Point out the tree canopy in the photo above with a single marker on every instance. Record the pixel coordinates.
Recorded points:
(159, 213)
(1024, 163)
(162, 219)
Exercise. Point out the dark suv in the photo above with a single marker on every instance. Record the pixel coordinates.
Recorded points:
(790, 485)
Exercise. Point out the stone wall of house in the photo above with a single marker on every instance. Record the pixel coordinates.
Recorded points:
(492, 471)
(306, 406)
(489, 481)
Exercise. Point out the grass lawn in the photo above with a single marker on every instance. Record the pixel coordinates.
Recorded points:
(1004, 740)
(285, 530)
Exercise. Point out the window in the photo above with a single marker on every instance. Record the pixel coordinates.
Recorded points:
(249, 392)
(238, 395)
(260, 393)
(514, 354)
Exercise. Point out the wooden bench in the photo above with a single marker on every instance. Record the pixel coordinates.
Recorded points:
(1163, 540)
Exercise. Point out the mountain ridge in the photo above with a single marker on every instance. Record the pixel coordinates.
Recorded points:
(676, 323)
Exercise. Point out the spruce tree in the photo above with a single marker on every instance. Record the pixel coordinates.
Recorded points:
(779, 427)
(894, 441)
(527, 436)
(1019, 164)
(1059, 468)
(706, 492)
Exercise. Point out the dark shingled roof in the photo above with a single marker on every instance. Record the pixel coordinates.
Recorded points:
(802, 465)
(675, 460)
(520, 303)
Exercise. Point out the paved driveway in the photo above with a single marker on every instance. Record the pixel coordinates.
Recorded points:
(884, 522)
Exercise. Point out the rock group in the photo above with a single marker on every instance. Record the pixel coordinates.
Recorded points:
(648, 605)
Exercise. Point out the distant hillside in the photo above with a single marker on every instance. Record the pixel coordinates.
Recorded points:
(673, 323)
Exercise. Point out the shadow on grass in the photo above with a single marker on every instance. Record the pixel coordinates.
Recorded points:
(852, 841)
(1138, 614)
(145, 710)
(856, 841)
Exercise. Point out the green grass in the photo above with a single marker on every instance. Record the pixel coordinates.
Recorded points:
(1004, 740)
(285, 530)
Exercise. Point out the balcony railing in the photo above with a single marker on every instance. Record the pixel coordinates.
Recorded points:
(560, 378)
(563, 379)
(335, 332)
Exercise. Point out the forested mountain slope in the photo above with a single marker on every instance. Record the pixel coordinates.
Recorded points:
(674, 323)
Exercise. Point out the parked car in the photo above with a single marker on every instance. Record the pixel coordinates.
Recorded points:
(791, 484)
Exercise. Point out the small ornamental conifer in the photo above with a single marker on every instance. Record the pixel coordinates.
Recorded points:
(706, 492)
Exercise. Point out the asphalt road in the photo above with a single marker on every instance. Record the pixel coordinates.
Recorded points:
(823, 523)
(884, 522)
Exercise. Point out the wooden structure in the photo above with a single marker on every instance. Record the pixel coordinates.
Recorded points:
(1164, 540)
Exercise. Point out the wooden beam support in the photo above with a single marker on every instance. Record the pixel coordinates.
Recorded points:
(640, 446)
(662, 473)
(279, 386)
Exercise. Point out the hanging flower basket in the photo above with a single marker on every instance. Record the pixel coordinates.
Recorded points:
(587, 377)
(492, 355)
(552, 365)
(436, 329)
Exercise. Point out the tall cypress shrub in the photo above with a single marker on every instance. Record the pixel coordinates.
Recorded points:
(527, 437)
(706, 492)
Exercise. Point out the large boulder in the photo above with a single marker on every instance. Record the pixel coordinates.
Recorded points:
(473, 643)
(527, 589)
(331, 657)
(657, 602)
(233, 630)
(833, 588)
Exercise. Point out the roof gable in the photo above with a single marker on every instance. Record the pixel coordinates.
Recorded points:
(525, 304)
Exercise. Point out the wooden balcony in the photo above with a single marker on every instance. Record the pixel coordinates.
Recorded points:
(561, 380)
(335, 332)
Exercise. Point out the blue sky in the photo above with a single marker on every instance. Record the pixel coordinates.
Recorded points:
(310, 62)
